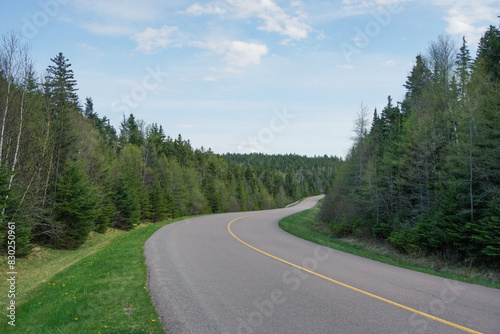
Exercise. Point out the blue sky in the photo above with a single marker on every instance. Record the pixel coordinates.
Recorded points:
(243, 75)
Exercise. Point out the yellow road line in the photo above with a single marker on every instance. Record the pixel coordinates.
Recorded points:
(446, 322)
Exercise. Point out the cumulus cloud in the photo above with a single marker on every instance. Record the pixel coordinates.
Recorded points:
(470, 19)
(238, 54)
(275, 18)
(149, 40)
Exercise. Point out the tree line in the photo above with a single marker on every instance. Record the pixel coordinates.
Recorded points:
(425, 174)
(65, 171)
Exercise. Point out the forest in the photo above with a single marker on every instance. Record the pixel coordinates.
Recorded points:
(66, 172)
(424, 176)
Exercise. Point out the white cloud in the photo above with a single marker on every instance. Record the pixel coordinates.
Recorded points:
(151, 39)
(275, 18)
(388, 63)
(470, 18)
(237, 54)
(198, 10)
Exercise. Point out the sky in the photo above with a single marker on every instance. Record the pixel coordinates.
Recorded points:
(243, 76)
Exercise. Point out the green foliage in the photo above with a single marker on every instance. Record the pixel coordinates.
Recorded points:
(426, 176)
(488, 52)
(76, 206)
(130, 132)
(60, 85)
(127, 202)
(340, 229)
(158, 201)
(9, 212)
(108, 210)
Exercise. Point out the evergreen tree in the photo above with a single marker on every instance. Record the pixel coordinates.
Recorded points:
(60, 84)
(127, 202)
(463, 68)
(88, 110)
(159, 208)
(76, 206)
(417, 84)
(108, 210)
(130, 132)
(488, 52)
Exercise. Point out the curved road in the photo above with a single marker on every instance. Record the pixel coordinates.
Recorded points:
(240, 273)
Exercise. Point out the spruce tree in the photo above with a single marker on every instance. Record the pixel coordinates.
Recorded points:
(159, 209)
(127, 202)
(60, 84)
(76, 206)
(488, 52)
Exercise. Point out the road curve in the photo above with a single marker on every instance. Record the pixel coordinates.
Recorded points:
(240, 273)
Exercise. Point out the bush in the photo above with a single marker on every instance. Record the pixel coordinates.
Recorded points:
(403, 241)
(382, 230)
(340, 229)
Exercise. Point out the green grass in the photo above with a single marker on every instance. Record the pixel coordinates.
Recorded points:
(306, 225)
(99, 289)
(43, 263)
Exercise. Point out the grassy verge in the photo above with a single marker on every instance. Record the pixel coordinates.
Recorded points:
(43, 263)
(306, 225)
(100, 288)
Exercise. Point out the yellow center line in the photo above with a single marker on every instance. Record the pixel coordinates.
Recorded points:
(446, 322)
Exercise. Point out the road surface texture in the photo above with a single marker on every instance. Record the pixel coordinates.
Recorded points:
(240, 273)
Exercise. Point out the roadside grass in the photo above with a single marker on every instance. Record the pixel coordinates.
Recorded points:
(44, 263)
(306, 225)
(100, 288)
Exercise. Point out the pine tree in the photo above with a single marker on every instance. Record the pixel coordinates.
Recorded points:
(488, 52)
(108, 210)
(60, 84)
(463, 68)
(130, 132)
(88, 111)
(127, 202)
(76, 206)
(417, 84)
(159, 209)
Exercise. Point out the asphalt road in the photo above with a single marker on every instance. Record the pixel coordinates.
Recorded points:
(240, 273)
